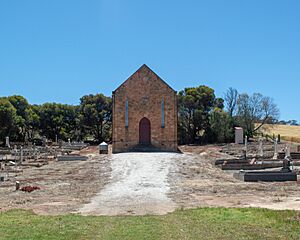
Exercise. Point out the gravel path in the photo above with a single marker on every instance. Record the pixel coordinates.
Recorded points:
(139, 186)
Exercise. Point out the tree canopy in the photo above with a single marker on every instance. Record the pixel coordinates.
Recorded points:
(202, 117)
(21, 121)
(95, 115)
(195, 104)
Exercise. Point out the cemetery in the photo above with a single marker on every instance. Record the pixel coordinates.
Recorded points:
(150, 164)
(66, 177)
(262, 157)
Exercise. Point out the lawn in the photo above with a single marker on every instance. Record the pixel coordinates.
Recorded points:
(202, 223)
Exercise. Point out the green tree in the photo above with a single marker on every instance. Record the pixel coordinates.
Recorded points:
(72, 127)
(32, 121)
(195, 104)
(21, 105)
(8, 118)
(58, 120)
(221, 128)
(96, 116)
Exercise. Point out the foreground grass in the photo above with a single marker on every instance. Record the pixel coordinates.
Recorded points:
(202, 223)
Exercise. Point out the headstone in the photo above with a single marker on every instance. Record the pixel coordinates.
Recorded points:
(260, 148)
(35, 153)
(239, 135)
(275, 149)
(21, 155)
(288, 152)
(2, 168)
(246, 147)
(7, 142)
(17, 185)
(286, 167)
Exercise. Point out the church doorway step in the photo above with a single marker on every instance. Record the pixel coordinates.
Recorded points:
(145, 131)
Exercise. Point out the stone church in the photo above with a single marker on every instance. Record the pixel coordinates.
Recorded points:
(144, 114)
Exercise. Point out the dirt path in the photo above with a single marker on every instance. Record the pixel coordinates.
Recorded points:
(139, 186)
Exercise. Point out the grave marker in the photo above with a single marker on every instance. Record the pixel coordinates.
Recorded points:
(260, 148)
(7, 142)
(275, 149)
(239, 135)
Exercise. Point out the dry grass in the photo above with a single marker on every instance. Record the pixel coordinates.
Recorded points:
(288, 133)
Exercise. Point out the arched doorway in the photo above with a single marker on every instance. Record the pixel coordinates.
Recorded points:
(145, 131)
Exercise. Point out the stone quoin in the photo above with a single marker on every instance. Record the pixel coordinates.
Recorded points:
(144, 113)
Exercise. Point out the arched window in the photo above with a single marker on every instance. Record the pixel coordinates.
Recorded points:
(126, 113)
(163, 113)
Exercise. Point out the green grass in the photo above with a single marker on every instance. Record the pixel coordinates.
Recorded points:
(202, 223)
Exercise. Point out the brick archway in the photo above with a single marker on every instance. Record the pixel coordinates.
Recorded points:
(145, 131)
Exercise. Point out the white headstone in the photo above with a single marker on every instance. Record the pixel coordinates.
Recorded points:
(260, 149)
(246, 146)
(35, 153)
(287, 152)
(21, 154)
(275, 149)
(239, 135)
(7, 142)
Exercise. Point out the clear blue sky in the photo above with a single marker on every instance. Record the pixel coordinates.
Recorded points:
(60, 50)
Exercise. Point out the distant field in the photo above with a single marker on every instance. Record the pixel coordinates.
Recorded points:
(288, 133)
(202, 223)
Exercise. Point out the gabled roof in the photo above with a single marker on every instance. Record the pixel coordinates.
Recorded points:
(142, 67)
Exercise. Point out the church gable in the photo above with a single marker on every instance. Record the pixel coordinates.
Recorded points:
(143, 77)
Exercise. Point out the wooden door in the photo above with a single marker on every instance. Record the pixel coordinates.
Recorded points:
(145, 131)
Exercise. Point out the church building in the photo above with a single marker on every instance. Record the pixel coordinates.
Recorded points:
(144, 114)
